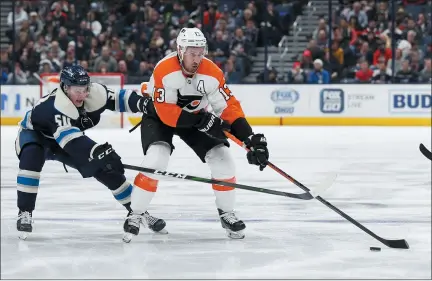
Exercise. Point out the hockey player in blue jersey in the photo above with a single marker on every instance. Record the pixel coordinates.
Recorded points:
(54, 130)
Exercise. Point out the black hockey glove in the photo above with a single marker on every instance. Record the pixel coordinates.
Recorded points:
(106, 159)
(212, 125)
(146, 106)
(258, 153)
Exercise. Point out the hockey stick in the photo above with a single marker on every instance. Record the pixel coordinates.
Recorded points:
(301, 196)
(136, 126)
(271, 165)
(398, 244)
(425, 151)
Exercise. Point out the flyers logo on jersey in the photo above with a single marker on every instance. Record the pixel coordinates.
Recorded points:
(190, 102)
(195, 103)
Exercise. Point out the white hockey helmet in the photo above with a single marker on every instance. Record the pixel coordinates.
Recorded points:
(190, 37)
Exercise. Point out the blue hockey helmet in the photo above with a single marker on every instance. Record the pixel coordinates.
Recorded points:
(74, 75)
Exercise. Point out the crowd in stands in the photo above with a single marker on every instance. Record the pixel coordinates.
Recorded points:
(361, 48)
(130, 37)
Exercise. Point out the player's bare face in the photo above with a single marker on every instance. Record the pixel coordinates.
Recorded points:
(77, 94)
(192, 58)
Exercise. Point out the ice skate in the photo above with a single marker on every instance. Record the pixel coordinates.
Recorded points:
(24, 224)
(133, 221)
(131, 226)
(233, 226)
(155, 224)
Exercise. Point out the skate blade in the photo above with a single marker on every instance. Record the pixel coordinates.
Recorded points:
(127, 237)
(163, 231)
(22, 235)
(235, 235)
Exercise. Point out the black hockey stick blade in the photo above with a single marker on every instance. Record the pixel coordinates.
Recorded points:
(301, 196)
(425, 152)
(396, 244)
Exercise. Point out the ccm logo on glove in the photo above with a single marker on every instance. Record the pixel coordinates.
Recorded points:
(106, 158)
(105, 153)
(144, 106)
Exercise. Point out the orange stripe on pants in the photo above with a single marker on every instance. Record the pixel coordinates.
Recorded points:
(224, 188)
(145, 183)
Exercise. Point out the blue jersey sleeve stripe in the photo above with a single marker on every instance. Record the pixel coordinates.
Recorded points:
(25, 122)
(122, 106)
(66, 133)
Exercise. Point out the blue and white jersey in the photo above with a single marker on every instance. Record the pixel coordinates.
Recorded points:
(58, 119)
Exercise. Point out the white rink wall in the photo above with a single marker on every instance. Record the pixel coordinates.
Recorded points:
(279, 104)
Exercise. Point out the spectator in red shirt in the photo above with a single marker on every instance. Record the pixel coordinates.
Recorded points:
(297, 75)
(382, 51)
(306, 61)
(364, 74)
(210, 17)
(355, 25)
(58, 16)
(349, 36)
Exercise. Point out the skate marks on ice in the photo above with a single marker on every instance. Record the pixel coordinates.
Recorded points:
(191, 249)
(78, 225)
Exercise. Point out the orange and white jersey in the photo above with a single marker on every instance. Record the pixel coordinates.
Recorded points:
(145, 91)
(174, 93)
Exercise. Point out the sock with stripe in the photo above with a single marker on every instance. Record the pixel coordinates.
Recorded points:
(145, 186)
(32, 159)
(119, 186)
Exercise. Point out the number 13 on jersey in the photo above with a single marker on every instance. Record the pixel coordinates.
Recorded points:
(226, 92)
(159, 94)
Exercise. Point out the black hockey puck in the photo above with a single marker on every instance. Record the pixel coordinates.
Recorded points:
(375, 249)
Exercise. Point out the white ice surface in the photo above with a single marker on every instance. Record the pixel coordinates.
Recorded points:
(383, 182)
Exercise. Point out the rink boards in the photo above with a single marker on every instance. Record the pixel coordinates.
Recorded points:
(283, 104)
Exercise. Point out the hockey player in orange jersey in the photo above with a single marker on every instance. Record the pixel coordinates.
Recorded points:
(182, 86)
